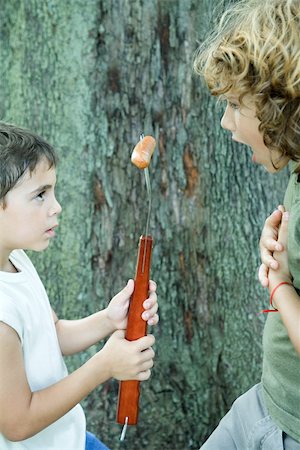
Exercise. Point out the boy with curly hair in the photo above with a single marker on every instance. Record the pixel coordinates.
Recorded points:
(252, 61)
(39, 400)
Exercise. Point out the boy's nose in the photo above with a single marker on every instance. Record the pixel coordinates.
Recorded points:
(227, 121)
(56, 208)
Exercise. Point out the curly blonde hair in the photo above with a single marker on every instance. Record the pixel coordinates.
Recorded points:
(255, 51)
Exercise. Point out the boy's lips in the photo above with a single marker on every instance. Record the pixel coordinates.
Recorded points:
(51, 231)
(241, 142)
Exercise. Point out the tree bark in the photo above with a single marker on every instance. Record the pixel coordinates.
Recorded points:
(90, 76)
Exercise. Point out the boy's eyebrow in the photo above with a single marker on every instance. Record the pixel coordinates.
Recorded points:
(44, 187)
(232, 97)
(229, 97)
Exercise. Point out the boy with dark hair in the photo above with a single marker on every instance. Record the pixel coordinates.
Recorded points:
(39, 401)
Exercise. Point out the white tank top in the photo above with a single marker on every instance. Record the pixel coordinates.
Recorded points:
(24, 306)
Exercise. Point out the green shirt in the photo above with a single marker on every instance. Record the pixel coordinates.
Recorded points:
(281, 362)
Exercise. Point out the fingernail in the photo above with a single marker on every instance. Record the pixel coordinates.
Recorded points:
(274, 265)
(286, 216)
(278, 247)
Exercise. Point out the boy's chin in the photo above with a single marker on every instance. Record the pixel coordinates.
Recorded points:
(39, 247)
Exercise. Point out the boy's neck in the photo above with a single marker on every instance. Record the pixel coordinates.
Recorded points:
(6, 265)
(9, 267)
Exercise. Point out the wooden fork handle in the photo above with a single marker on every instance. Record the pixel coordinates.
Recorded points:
(129, 391)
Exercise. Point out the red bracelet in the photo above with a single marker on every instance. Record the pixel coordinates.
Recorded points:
(272, 296)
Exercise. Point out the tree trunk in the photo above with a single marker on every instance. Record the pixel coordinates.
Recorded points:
(90, 76)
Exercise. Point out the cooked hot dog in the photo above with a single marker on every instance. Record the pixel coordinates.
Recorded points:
(143, 152)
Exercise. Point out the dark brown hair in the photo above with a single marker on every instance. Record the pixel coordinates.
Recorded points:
(20, 150)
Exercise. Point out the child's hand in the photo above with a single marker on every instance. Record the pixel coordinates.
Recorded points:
(282, 272)
(269, 243)
(128, 360)
(117, 309)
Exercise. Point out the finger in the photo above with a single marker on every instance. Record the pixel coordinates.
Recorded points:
(147, 365)
(143, 376)
(269, 234)
(124, 295)
(147, 354)
(120, 334)
(152, 286)
(274, 219)
(145, 342)
(271, 244)
(126, 292)
(154, 320)
(151, 301)
(150, 312)
(263, 275)
(128, 289)
(267, 259)
(283, 232)
(281, 208)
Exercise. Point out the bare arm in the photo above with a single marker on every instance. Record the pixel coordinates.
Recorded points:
(77, 335)
(268, 244)
(27, 413)
(285, 299)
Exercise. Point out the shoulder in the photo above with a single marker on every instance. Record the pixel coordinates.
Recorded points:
(20, 256)
(294, 166)
(13, 288)
(21, 259)
(11, 314)
(8, 333)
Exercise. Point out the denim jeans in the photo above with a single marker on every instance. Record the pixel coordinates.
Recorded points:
(92, 443)
(247, 426)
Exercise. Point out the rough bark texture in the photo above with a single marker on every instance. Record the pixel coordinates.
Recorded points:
(90, 76)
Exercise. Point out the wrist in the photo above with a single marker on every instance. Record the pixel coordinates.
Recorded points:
(100, 367)
(111, 326)
(277, 293)
(276, 278)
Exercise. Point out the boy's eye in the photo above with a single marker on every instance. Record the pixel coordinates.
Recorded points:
(233, 105)
(41, 195)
